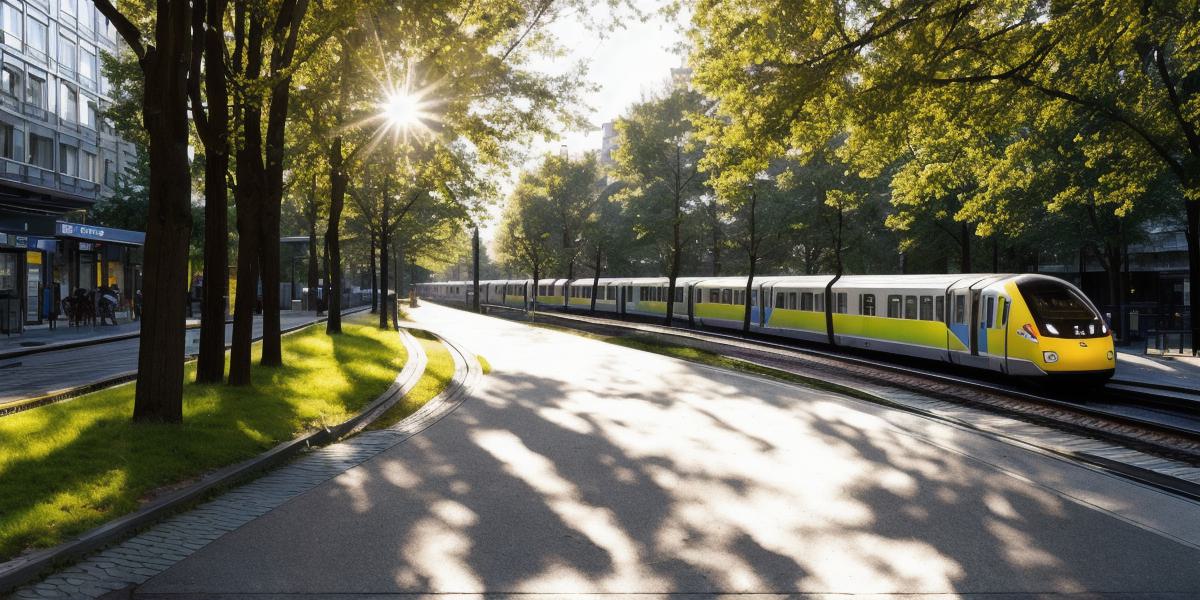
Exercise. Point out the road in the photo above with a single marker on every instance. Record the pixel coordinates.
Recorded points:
(46, 372)
(583, 467)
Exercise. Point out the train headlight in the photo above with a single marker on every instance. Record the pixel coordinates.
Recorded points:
(1050, 357)
(1110, 355)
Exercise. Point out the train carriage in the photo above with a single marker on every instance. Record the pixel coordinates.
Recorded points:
(1027, 325)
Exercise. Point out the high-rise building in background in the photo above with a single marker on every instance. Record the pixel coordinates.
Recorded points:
(57, 156)
(681, 77)
(608, 143)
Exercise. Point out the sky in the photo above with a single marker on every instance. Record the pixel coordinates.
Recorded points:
(625, 64)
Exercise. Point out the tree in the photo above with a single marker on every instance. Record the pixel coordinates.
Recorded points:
(871, 68)
(525, 242)
(212, 126)
(658, 158)
(164, 58)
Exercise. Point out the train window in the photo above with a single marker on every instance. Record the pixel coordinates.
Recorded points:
(866, 304)
(726, 296)
(679, 295)
(910, 307)
(893, 306)
(699, 296)
(779, 300)
(806, 301)
(754, 298)
(1004, 311)
(939, 311)
(792, 300)
(991, 311)
(843, 302)
(960, 309)
(926, 308)
(819, 302)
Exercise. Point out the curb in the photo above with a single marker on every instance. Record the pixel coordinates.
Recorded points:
(16, 406)
(24, 569)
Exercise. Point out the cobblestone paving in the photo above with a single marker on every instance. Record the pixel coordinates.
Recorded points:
(137, 559)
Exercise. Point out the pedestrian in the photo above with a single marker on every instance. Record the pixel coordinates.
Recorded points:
(137, 305)
(55, 297)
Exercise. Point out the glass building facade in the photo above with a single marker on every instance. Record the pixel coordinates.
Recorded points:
(57, 155)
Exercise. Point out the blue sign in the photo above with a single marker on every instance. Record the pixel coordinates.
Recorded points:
(100, 234)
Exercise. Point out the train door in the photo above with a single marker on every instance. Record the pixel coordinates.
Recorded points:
(963, 321)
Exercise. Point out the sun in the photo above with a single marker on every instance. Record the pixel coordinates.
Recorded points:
(402, 110)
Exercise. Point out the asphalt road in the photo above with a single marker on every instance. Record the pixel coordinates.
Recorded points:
(581, 467)
(46, 372)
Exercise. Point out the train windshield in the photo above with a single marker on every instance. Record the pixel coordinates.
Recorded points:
(1061, 311)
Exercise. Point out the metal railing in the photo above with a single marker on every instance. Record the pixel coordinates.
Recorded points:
(1169, 342)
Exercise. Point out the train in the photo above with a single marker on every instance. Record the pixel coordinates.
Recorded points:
(1023, 325)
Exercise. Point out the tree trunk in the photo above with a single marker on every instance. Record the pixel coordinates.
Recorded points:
(676, 241)
(249, 197)
(596, 275)
(374, 276)
(313, 264)
(337, 200)
(210, 366)
(1193, 244)
(287, 26)
(383, 258)
(159, 393)
(965, 243)
(753, 246)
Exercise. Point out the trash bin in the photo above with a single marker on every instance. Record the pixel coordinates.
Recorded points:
(297, 305)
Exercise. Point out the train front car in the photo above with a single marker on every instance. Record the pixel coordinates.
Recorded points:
(1054, 330)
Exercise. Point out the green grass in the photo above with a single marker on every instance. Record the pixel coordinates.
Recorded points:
(68, 467)
(438, 373)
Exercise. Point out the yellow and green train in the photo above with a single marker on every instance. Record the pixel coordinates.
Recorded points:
(1022, 325)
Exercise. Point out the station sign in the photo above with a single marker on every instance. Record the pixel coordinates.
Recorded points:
(80, 231)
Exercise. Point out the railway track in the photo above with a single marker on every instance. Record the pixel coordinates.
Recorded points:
(1148, 432)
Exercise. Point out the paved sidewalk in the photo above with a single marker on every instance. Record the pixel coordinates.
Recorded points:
(581, 467)
(1176, 370)
(47, 372)
(41, 336)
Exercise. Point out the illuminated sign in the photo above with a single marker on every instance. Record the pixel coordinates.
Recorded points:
(100, 234)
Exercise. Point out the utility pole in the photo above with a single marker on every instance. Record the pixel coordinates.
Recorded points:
(475, 271)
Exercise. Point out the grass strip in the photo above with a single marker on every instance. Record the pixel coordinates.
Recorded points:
(438, 373)
(68, 467)
(707, 357)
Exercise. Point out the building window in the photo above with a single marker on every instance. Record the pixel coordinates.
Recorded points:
(66, 54)
(68, 7)
(10, 21)
(87, 63)
(68, 160)
(87, 168)
(10, 82)
(37, 92)
(41, 151)
(39, 36)
(70, 104)
(6, 140)
(109, 175)
(89, 113)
